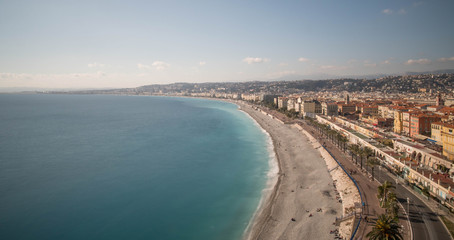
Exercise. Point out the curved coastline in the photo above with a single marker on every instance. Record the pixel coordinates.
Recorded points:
(304, 184)
(291, 208)
(274, 179)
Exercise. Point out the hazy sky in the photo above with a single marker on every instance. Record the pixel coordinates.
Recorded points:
(79, 44)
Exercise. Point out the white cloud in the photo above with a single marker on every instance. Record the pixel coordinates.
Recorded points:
(301, 59)
(418, 61)
(402, 11)
(446, 59)
(387, 11)
(386, 62)
(202, 63)
(96, 65)
(143, 66)
(370, 64)
(160, 65)
(351, 61)
(283, 64)
(251, 60)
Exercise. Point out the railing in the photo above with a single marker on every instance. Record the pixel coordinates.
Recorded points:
(357, 187)
(340, 219)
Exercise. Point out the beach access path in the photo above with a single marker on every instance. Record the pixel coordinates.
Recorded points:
(303, 203)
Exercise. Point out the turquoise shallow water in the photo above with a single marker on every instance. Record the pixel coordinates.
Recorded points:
(127, 167)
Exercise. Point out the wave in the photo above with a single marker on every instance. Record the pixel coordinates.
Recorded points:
(272, 175)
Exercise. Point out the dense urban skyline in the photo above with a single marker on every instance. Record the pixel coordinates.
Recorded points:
(83, 44)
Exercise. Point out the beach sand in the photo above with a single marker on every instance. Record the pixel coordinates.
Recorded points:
(345, 187)
(304, 185)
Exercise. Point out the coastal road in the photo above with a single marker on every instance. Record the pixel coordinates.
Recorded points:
(425, 223)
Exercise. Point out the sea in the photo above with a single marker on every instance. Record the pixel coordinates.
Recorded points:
(129, 167)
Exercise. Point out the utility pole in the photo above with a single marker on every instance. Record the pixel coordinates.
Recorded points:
(379, 173)
(408, 206)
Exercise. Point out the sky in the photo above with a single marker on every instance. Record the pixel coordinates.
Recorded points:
(111, 44)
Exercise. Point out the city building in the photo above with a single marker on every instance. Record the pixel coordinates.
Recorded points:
(282, 102)
(310, 108)
(329, 109)
(421, 124)
(346, 108)
(435, 132)
(447, 138)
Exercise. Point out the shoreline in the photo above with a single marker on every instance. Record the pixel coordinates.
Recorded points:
(273, 178)
(291, 209)
(263, 223)
(270, 192)
(274, 204)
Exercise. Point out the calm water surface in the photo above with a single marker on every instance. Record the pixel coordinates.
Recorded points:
(127, 167)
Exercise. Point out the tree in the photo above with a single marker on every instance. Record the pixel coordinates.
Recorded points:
(372, 162)
(383, 191)
(344, 141)
(386, 227)
(355, 150)
(366, 152)
(391, 205)
(333, 135)
(426, 191)
(443, 168)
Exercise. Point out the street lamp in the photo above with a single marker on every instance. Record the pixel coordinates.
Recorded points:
(379, 173)
(408, 206)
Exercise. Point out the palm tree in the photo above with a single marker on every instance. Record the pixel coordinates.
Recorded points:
(391, 205)
(354, 148)
(366, 152)
(340, 140)
(325, 129)
(383, 191)
(361, 153)
(372, 162)
(344, 140)
(333, 134)
(385, 227)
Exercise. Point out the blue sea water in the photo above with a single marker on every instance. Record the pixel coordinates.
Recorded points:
(127, 167)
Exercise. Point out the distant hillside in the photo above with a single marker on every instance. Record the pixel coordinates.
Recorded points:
(449, 71)
(390, 84)
(443, 83)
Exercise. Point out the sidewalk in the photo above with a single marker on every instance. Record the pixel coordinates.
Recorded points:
(368, 188)
(434, 206)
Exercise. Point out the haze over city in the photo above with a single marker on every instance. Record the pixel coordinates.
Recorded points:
(110, 44)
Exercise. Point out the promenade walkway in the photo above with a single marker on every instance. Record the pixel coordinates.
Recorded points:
(367, 186)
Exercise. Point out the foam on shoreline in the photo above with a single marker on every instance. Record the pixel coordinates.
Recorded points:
(272, 176)
(276, 206)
